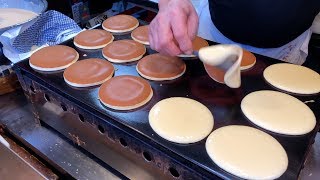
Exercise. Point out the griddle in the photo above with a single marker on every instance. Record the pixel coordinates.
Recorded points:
(131, 128)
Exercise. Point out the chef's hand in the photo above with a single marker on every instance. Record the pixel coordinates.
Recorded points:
(171, 32)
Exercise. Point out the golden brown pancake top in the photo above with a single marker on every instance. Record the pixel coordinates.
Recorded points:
(215, 73)
(120, 22)
(141, 33)
(53, 56)
(124, 91)
(198, 43)
(247, 58)
(94, 37)
(124, 50)
(161, 66)
(88, 71)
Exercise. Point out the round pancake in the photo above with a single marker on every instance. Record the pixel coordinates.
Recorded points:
(120, 23)
(197, 44)
(53, 58)
(125, 92)
(158, 67)
(89, 72)
(181, 120)
(247, 152)
(278, 112)
(123, 51)
(293, 78)
(93, 39)
(215, 73)
(248, 60)
(141, 34)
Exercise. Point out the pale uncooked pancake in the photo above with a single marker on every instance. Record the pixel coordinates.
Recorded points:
(141, 35)
(125, 92)
(278, 112)
(248, 60)
(247, 152)
(293, 78)
(53, 58)
(181, 120)
(93, 39)
(123, 51)
(159, 67)
(12, 16)
(197, 44)
(120, 23)
(88, 72)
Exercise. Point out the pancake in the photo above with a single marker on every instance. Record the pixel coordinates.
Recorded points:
(53, 58)
(123, 51)
(125, 92)
(293, 78)
(248, 60)
(120, 23)
(197, 44)
(247, 152)
(181, 120)
(89, 72)
(278, 112)
(158, 67)
(215, 73)
(93, 39)
(141, 35)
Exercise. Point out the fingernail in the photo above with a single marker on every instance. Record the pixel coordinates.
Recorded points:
(188, 52)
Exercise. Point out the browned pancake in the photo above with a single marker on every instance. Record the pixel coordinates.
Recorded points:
(125, 92)
(215, 73)
(248, 60)
(159, 67)
(89, 72)
(93, 39)
(141, 34)
(120, 23)
(53, 58)
(123, 51)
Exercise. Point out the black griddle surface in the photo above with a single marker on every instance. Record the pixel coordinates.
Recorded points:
(223, 102)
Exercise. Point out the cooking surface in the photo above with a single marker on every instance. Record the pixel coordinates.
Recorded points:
(223, 102)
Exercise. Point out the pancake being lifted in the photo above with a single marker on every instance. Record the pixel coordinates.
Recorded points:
(247, 152)
(120, 24)
(125, 92)
(181, 120)
(123, 51)
(222, 63)
(248, 60)
(53, 58)
(141, 34)
(278, 112)
(159, 67)
(89, 72)
(293, 78)
(93, 39)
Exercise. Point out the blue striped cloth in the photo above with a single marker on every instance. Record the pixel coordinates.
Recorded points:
(50, 28)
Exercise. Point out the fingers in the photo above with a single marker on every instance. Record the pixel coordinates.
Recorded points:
(193, 23)
(171, 32)
(180, 31)
(161, 38)
(151, 36)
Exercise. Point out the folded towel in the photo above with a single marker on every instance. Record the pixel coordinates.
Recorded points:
(48, 29)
